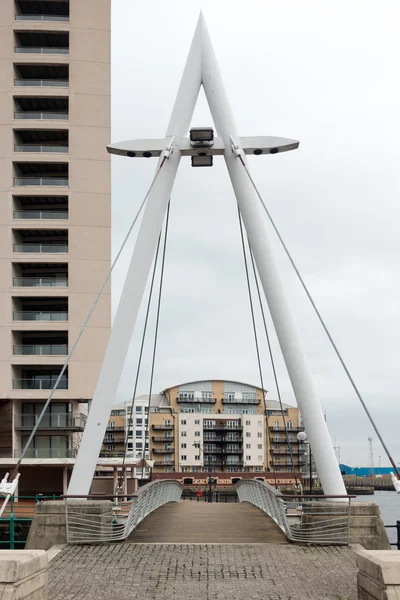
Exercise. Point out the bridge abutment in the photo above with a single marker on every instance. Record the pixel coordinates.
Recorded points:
(49, 526)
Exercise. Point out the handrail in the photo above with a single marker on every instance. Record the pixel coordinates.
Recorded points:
(41, 115)
(303, 519)
(40, 50)
(53, 18)
(116, 524)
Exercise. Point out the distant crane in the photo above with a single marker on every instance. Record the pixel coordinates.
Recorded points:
(371, 456)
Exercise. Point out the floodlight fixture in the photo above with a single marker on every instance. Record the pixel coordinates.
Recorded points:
(202, 135)
(202, 160)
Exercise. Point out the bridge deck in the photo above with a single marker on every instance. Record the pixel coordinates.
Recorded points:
(203, 571)
(201, 522)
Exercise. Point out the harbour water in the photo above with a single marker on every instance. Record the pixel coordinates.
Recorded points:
(389, 504)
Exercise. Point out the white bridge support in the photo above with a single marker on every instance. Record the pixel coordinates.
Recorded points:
(202, 68)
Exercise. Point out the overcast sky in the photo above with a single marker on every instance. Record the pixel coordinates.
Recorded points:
(325, 73)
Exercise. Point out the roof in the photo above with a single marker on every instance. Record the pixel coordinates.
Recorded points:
(156, 400)
(216, 379)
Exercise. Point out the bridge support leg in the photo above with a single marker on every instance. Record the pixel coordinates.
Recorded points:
(253, 218)
(136, 279)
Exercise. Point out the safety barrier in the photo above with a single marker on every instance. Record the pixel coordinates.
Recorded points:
(303, 519)
(108, 525)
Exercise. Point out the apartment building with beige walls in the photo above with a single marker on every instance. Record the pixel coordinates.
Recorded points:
(55, 215)
(223, 426)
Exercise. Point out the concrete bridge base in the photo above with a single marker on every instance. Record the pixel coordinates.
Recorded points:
(49, 523)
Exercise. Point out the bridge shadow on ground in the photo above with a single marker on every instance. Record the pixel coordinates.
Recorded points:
(207, 523)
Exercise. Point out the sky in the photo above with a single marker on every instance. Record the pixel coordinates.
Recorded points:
(325, 73)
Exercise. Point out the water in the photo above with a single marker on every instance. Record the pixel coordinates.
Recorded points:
(389, 505)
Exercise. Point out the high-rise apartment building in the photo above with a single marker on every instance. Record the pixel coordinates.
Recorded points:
(54, 216)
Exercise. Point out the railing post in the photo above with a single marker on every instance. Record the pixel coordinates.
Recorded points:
(398, 534)
(12, 524)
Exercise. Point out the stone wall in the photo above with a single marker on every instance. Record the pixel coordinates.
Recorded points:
(23, 574)
(379, 574)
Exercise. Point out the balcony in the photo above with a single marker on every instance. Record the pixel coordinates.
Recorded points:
(36, 248)
(196, 400)
(163, 451)
(284, 463)
(39, 384)
(163, 439)
(117, 428)
(26, 422)
(41, 108)
(232, 451)
(40, 343)
(42, 10)
(163, 427)
(47, 453)
(40, 350)
(41, 42)
(40, 282)
(221, 427)
(42, 75)
(164, 463)
(41, 141)
(247, 401)
(289, 430)
(40, 174)
(40, 208)
(40, 215)
(40, 241)
(26, 315)
(223, 439)
(212, 450)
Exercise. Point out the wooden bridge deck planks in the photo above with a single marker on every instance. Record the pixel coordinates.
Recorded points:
(207, 523)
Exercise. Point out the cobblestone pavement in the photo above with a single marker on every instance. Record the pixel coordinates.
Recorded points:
(203, 572)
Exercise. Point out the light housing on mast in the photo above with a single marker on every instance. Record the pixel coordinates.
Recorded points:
(201, 135)
(202, 160)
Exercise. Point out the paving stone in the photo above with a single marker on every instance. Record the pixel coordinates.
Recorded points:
(204, 572)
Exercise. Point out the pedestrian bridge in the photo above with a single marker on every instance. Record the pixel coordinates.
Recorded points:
(156, 514)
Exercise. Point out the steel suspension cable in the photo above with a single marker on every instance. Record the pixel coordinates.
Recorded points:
(140, 360)
(321, 320)
(273, 364)
(86, 321)
(255, 336)
(147, 425)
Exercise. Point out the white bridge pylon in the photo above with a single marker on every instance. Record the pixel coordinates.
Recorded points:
(202, 69)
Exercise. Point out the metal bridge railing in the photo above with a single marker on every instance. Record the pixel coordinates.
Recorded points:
(85, 528)
(303, 519)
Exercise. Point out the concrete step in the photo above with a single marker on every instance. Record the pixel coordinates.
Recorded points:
(213, 523)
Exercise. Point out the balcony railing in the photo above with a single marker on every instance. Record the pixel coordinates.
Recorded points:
(196, 400)
(39, 50)
(41, 116)
(39, 148)
(164, 463)
(251, 401)
(33, 247)
(39, 384)
(163, 427)
(52, 18)
(40, 282)
(64, 83)
(118, 428)
(50, 421)
(40, 215)
(47, 453)
(41, 181)
(163, 439)
(27, 315)
(212, 450)
(40, 350)
(223, 427)
(222, 439)
(288, 429)
(163, 451)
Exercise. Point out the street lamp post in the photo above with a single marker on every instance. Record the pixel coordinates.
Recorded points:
(197, 445)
